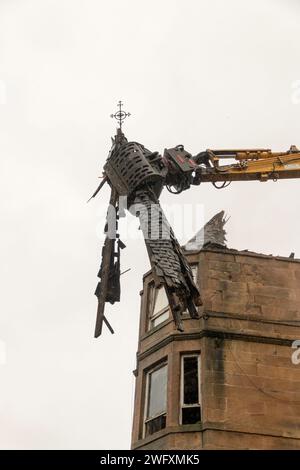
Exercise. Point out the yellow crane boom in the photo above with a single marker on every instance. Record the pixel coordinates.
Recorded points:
(252, 164)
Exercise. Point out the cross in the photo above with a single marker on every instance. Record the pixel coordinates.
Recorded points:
(120, 115)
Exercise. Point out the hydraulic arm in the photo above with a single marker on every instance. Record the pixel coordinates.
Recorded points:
(133, 171)
(245, 165)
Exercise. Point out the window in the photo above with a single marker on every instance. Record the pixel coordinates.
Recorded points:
(156, 400)
(159, 306)
(190, 411)
(159, 309)
(194, 268)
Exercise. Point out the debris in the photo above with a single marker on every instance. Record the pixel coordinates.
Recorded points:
(213, 233)
(133, 171)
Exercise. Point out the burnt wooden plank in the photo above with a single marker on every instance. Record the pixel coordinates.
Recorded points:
(105, 268)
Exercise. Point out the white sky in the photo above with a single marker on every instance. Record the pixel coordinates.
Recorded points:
(204, 73)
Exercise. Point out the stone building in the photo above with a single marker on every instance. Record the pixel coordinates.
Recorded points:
(231, 380)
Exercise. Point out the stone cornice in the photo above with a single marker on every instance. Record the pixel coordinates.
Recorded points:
(212, 333)
(208, 426)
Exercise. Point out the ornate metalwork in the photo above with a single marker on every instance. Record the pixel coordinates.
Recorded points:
(120, 115)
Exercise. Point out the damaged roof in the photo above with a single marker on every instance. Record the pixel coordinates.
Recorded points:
(213, 233)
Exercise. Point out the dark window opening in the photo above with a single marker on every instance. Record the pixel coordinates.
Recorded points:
(191, 380)
(190, 390)
(191, 415)
(155, 424)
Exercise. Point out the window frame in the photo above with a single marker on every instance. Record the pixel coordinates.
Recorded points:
(152, 289)
(181, 402)
(147, 396)
(195, 267)
(152, 317)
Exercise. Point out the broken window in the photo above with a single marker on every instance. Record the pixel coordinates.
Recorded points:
(159, 306)
(190, 412)
(156, 400)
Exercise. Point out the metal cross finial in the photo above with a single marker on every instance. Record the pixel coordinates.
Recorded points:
(120, 115)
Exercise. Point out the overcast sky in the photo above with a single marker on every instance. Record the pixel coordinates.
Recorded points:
(203, 73)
